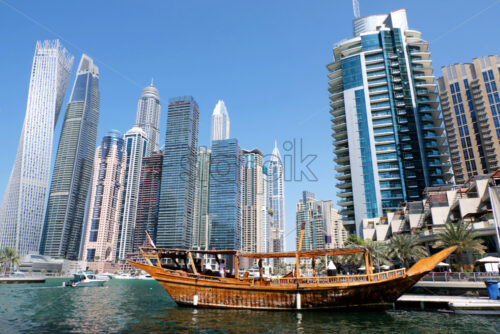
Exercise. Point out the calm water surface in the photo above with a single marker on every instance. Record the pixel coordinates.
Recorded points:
(130, 306)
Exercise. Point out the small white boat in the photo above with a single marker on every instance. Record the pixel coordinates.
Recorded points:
(144, 276)
(124, 276)
(81, 279)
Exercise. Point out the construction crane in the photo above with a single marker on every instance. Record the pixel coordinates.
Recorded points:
(355, 8)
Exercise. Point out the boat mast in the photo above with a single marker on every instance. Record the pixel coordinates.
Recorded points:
(297, 258)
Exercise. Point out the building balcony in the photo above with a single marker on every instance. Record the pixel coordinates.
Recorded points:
(343, 177)
(344, 194)
(343, 169)
(344, 185)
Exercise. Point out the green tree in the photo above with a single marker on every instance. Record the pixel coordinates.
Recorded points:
(379, 252)
(353, 240)
(407, 248)
(462, 235)
(4, 260)
(10, 258)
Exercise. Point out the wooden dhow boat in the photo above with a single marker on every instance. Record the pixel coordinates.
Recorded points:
(182, 277)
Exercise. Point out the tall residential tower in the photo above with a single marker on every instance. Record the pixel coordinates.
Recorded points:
(73, 168)
(254, 213)
(276, 201)
(175, 218)
(136, 145)
(471, 110)
(220, 122)
(224, 206)
(22, 210)
(201, 219)
(103, 221)
(388, 138)
(148, 117)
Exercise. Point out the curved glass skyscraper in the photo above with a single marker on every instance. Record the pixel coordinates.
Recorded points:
(22, 209)
(387, 127)
(73, 168)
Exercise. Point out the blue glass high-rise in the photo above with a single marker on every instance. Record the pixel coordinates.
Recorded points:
(224, 195)
(175, 217)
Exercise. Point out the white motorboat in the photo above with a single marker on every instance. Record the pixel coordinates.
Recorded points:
(124, 276)
(82, 279)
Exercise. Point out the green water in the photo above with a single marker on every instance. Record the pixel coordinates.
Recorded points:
(131, 306)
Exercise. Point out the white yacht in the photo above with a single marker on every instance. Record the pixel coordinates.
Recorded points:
(81, 279)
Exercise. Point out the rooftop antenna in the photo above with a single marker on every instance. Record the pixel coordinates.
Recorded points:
(152, 80)
(355, 8)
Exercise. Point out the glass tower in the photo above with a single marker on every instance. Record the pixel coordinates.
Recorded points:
(136, 145)
(276, 200)
(22, 209)
(148, 117)
(149, 200)
(175, 220)
(388, 137)
(73, 168)
(224, 195)
(201, 224)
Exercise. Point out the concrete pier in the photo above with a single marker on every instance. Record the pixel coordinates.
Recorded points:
(458, 304)
(16, 280)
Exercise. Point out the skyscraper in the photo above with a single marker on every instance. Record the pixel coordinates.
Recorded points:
(310, 212)
(471, 110)
(136, 145)
(224, 206)
(175, 220)
(254, 213)
(105, 203)
(148, 117)
(149, 200)
(201, 220)
(385, 118)
(276, 201)
(220, 122)
(22, 209)
(73, 168)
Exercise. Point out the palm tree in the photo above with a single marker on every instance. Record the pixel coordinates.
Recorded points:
(3, 260)
(12, 257)
(406, 247)
(379, 252)
(462, 235)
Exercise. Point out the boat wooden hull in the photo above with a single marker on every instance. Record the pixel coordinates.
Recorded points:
(377, 290)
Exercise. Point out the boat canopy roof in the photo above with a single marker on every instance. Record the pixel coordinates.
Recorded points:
(164, 252)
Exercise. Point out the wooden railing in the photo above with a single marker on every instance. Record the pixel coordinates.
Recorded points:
(340, 279)
(319, 280)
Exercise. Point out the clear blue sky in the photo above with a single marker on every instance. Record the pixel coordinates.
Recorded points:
(265, 59)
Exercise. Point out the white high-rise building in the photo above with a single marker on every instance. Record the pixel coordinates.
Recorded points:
(22, 209)
(254, 217)
(276, 200)
(148, 117)
(220, 122)
(136, 144)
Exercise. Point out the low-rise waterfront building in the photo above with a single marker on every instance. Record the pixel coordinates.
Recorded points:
(469, 203)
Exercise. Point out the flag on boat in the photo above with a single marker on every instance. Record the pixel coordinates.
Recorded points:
(150, 240)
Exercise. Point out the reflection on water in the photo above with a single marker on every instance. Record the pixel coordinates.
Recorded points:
(142, 306)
